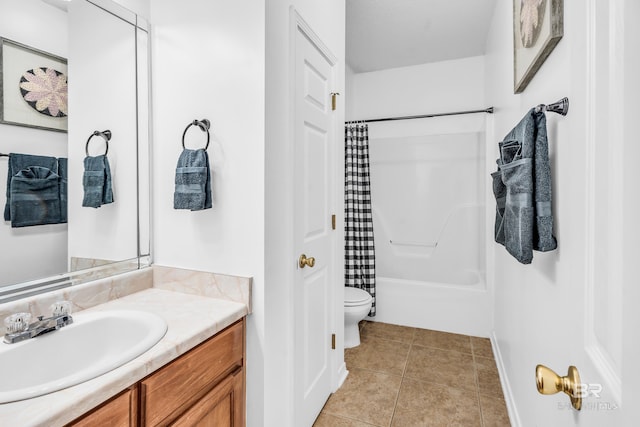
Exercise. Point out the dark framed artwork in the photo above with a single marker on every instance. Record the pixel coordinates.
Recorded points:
(33, 87)
(537, 29)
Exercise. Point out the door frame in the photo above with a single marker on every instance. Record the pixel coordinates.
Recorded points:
(336, 295)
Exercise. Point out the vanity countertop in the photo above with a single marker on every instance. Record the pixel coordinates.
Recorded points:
(191, 319)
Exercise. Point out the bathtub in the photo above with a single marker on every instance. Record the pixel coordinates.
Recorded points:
(459, 308)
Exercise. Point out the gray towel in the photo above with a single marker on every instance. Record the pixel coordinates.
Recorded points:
(193, 181)
(18, 162)
(526, 223)
(35, 197)
(96, 181)
(500, 193)
(62, 172)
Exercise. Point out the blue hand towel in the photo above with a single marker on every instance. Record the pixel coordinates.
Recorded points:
(35, 197)
(193, 181)
(62, 172)
(18, 162)
(524, 220)
(98, 187)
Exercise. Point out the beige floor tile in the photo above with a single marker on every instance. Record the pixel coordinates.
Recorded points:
(443, 340)
(365, 396)
(327, 420)
(441, 367)
(377, 354)
(422, 404)
(488, 377)
(481, 347)
(388, 331)
(494, 412)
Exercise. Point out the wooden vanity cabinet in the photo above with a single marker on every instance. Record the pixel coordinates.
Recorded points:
(203, 387)
(119, 411)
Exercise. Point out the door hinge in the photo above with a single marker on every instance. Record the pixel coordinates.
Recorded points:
(333, 221)
(334, 100)
(333, 341)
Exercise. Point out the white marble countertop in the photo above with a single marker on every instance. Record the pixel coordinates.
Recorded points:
(191, 319)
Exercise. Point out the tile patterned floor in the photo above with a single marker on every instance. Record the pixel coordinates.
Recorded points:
(405, 377)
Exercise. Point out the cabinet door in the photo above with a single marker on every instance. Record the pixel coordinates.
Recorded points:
(177, 386)
(223, 406)
(121, 411)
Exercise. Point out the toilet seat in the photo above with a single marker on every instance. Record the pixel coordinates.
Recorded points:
(355, 297)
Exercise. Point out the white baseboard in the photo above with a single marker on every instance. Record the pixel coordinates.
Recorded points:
(342, 376)
(514, 418)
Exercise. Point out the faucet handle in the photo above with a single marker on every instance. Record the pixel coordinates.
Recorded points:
(17, 322)
(60, 308)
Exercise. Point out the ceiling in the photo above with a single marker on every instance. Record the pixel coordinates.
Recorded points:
(385, 34)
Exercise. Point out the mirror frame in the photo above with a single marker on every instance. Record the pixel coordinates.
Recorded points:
(29, 288)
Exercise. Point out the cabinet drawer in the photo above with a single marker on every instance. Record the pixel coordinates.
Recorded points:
(175, 387)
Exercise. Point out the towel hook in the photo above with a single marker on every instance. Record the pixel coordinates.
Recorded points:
(204, 125)
(106, 134)
(561, 107)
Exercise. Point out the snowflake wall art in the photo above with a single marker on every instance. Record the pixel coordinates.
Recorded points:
(537, 29)
(33, 89)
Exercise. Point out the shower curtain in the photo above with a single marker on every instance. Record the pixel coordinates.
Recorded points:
(360, 260)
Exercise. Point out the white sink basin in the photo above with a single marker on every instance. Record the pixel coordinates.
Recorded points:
(94, 344)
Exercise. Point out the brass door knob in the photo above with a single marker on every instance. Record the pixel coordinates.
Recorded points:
(304, 261)
(548, 382)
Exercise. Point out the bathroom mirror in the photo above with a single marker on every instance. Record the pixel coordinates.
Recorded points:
(106, 48)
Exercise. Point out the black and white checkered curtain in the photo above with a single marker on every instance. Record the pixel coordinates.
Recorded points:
(360, 259)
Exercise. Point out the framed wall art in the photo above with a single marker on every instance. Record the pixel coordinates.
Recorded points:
(33, 87)
(537, 29)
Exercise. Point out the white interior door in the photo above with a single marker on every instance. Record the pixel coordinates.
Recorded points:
(313, 288)
(609, 381)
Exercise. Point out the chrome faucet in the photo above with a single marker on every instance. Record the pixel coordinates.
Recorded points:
(19, 328)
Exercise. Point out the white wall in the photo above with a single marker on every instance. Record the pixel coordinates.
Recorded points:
(543, 311)
(208, 62)
(529, 300)
(349, 94)
(437, 87)
(327, 20)
(21, 21)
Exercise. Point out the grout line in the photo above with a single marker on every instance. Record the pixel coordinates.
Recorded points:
(477, 379)
(350, 418)
(404, 370)
(474, 357)
(469, 353)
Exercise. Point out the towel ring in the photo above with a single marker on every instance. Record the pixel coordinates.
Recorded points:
(204, 125)
(106, 134)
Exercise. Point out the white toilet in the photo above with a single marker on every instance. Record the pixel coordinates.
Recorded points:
(357, 304)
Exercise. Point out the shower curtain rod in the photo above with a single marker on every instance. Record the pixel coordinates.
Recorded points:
(425, 116)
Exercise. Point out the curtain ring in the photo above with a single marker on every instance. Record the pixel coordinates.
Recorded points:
(106, 134)
(204, 125)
